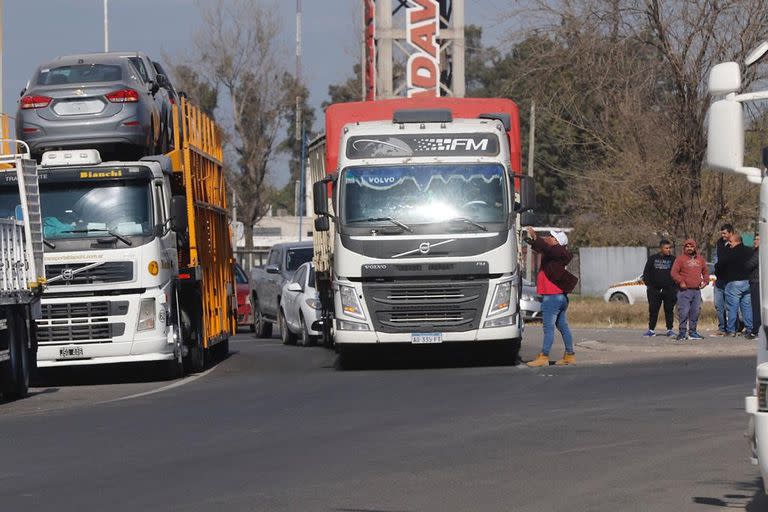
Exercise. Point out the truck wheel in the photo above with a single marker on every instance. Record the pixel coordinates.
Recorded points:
(285, 333)
(16, 383)
(196, 356)
(509, 351)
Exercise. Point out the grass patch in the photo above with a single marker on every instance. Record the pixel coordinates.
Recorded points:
(595, 312)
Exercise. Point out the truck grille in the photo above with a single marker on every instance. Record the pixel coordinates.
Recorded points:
(64, 334)
(111, 272)
(426, 306)
(76, 310)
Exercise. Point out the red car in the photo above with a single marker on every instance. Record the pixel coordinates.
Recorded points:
(244, 307)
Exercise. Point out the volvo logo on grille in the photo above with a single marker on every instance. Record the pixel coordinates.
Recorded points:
(423, 248)
(67, 274)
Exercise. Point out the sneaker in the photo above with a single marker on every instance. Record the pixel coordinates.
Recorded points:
(719, 333)
(734, 334)
(750, 336)
(695, 336)
(670, 333)
(649, 333)
(681, 337)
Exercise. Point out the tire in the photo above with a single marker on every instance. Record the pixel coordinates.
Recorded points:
(261, 327)
(509, 351)
(285, 333)
(305, 339)
(619, 298)
(16, 384)
(196, 358)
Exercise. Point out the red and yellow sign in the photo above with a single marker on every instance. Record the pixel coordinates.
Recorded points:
(423, 31)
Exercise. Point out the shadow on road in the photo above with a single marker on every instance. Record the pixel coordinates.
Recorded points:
(129, 373)
(411, 357)
(747, 495)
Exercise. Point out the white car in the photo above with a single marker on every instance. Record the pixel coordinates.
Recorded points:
(530, 302)
(300, 308)
(632, 291)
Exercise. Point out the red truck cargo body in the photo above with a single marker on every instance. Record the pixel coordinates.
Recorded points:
(340, 114)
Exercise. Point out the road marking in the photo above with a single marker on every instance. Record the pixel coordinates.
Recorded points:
(177, 384)
(599, 447)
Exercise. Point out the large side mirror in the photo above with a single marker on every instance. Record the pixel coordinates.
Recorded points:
(161, 80)
(322, 224)
(320, 197)
(272, 269)
(294, 287)
(528, 219)
(154, 86)
(527, 195)
(179, 222)
(724, 78)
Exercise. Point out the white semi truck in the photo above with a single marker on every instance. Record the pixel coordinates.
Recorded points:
(725, 153)
(138, 260)
(21, 267)
(417, 241)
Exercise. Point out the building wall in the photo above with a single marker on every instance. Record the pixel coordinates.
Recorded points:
(600, 267)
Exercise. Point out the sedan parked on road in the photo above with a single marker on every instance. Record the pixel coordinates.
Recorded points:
(300, 308)
(89, 101)
(632, 291)
(530, 302)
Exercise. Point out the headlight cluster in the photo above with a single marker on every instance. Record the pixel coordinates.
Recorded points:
(350, 303)
(146, 315)
(502, 297)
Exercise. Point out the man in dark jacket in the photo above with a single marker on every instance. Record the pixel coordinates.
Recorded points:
(733, 265)
(726, 230)
(753, 266)
(660, 288)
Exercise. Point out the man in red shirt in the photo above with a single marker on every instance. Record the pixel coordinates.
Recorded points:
(691, 274)
(554, 283)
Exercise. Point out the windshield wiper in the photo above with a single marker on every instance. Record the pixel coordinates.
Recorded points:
(111, 232)
(49, 244)
(465, 220)
(382, 219)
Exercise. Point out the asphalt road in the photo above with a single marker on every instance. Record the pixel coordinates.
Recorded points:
(276, 428)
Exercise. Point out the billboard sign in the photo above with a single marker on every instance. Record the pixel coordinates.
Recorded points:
(423, 32)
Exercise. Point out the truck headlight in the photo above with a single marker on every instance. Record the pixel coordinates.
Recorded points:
(146, 315)
(500, 322)
(314, 303)
(502, 297)
(349, 302)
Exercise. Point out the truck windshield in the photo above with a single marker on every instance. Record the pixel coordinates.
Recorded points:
(77, 210)
(424, 194)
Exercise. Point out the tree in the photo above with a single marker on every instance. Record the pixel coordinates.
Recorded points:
(202, 93)
(625, 80)
(237, 49)
(349, 90)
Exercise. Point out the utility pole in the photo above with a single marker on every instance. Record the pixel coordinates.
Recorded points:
(300, 136)
(531, 151)
(106, 26)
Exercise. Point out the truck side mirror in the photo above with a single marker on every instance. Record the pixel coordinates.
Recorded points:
(527, 195)
(272, 269)
(179, 222)
(161, 80)
(322, 224)
(320, 197)
(527, 219)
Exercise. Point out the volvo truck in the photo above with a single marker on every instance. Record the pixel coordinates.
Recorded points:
(417, 204)
(138, 259)
(725, 153)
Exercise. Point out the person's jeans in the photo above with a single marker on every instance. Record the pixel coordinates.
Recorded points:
(553, 308)
(737, 299)
(657, 296)
(688, 307)
(754, 296)
(720, 308)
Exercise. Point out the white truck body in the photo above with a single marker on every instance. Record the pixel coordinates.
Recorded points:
(725, 153)
(108, 301)
(436, 284)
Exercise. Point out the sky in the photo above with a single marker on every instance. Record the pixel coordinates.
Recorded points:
(36, 31)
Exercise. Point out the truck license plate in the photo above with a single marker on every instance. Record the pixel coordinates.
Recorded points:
(70, 352)
(426, 337)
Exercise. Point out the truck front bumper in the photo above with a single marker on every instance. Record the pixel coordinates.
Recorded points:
(102, 330)
(478, 335)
